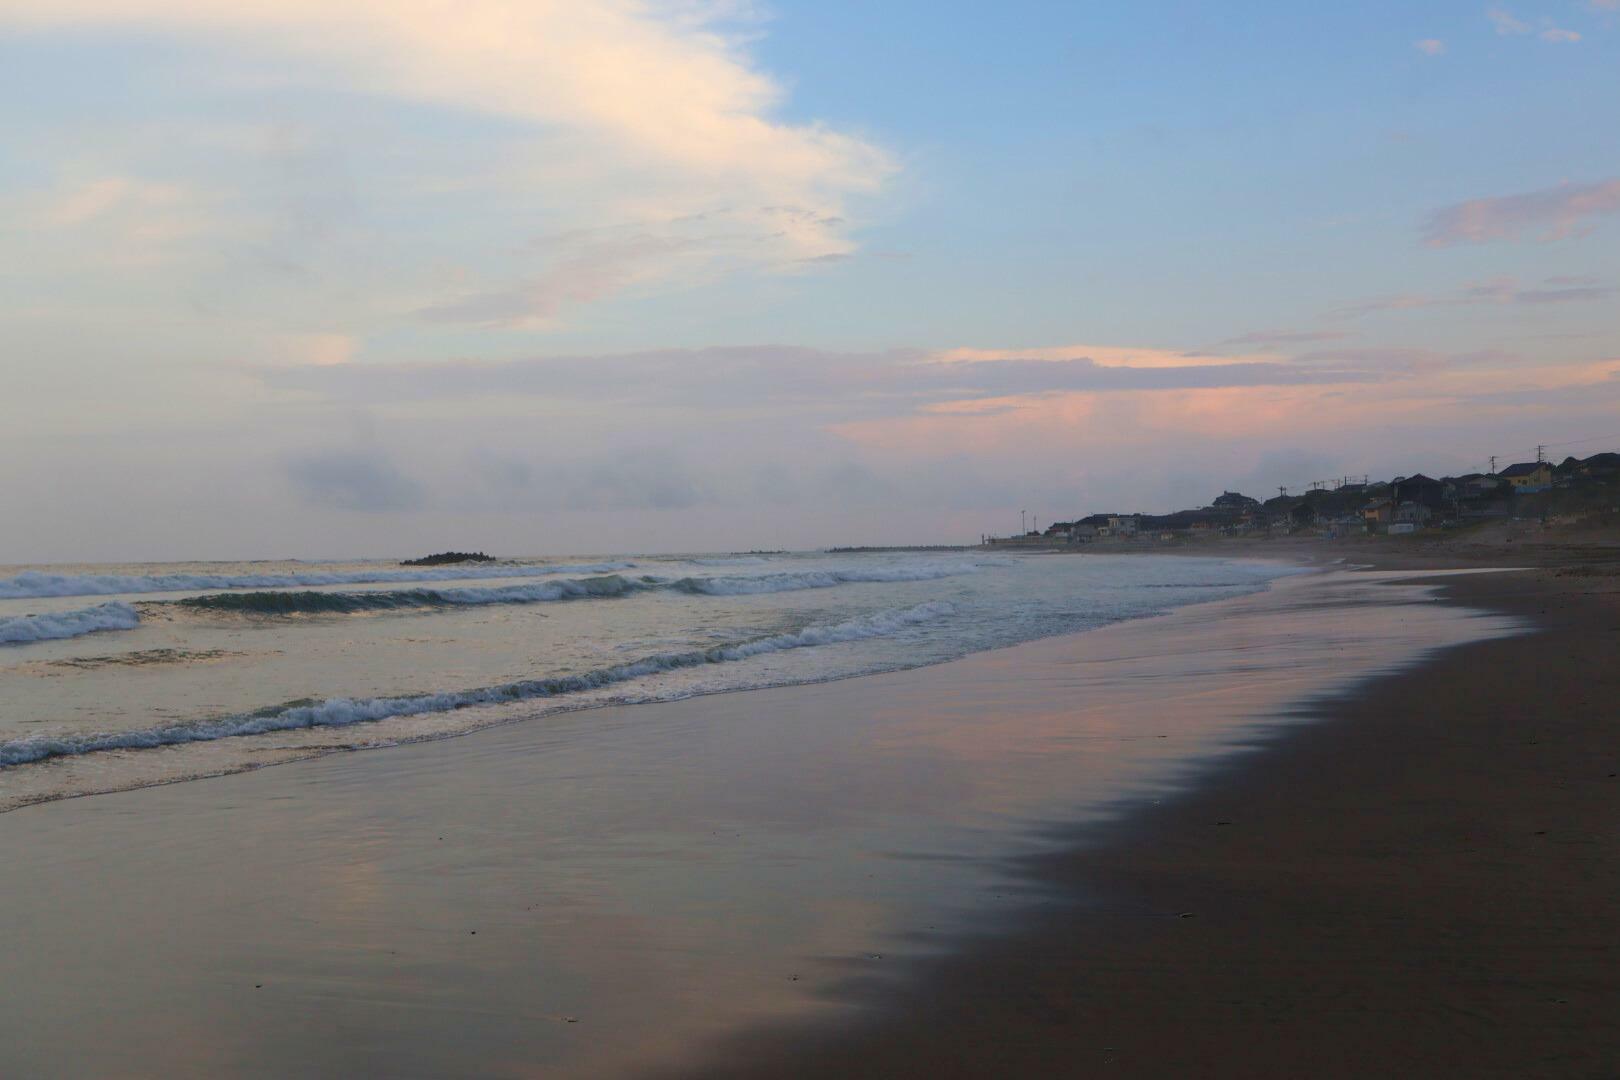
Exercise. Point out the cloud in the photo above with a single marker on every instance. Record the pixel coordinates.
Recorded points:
(1408, 360)
(1430, 46)
(766, 379)
(1509, 26)
(126, 221)
(1560, 296)
(320, 350)
(362, 480)
(587, 265)
(1101, 355)
(645, 118)
(1558, 211)
(1501, 290)
(1505, 23)
(640, 479)
(1284, 337)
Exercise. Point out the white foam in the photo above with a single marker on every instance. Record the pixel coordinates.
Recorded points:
(740, 585)
(338, 712)
(32, 583)
(55, 625)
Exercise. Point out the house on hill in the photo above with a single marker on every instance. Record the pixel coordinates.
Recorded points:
(1528, 477)
(1413, 513)
(1474, 486)
(1235, 501)
(1419, 489)
(1377, 514)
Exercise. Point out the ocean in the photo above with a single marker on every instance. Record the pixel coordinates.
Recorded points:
(116, 677)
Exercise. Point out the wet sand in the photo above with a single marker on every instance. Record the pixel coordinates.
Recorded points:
(978, 868)
(1424, 882)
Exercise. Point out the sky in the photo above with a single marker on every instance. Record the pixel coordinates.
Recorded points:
(284, 278)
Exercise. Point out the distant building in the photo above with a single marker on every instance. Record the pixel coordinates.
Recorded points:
(1419, 489)
(1528, 477)
(1477, 486)
(1378, 514)
(1236, 502)
(1412, 513)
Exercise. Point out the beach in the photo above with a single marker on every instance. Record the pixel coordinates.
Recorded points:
(1358, 824)
(1420, 883)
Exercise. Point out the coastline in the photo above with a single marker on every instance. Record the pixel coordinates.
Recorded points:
(321, 713)
(1420, 881)
(349, 920)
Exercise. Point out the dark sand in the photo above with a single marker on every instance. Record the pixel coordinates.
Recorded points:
(1424, 883)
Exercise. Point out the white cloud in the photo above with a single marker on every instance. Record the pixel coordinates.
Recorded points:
(1559, 36)
(622, 114)
(1505, 23)
(1430, 46)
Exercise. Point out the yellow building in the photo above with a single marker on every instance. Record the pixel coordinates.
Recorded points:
(1529, 477)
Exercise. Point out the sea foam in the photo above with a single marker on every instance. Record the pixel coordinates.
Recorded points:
(55, 625)
(741, 585)
(339, 712)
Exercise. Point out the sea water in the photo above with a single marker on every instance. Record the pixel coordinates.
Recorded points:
(114, 677)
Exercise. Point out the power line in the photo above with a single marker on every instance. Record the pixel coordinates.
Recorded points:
(1595, 438)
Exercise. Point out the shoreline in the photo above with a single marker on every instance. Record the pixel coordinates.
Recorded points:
(278, 756)
(1418, 881)
(698, 887)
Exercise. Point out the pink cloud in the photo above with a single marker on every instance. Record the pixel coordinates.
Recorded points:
(1559, 212)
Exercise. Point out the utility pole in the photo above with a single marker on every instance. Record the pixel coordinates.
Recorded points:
(1493, 464)
(1282, 493)
(1541, 455)
(1023, 526)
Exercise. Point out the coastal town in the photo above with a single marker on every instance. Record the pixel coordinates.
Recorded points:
(1572, 490)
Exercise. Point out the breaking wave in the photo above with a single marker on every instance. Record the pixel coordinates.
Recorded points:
(339, 712)
(290, 603)
(33, 583)
(607, 587)
(816, 579)
(55, 625)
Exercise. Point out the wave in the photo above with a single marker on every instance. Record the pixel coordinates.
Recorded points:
(816, 579)
(596, 588)
(55, 625)
(290, 603)
(32, 583)
(340, 712)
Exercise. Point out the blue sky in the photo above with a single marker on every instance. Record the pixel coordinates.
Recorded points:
(239, 230)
